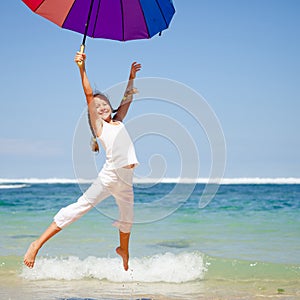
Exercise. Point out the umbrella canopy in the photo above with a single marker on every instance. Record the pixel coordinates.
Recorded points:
(121, 20)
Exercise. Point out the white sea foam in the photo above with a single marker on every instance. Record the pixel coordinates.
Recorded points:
(13, 186)
(258, 180)
(44, 180)
(166, 267)
(250, 180)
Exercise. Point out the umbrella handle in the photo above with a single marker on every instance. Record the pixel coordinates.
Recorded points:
(81, 51)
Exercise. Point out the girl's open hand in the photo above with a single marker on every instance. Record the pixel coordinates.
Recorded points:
(135, 67)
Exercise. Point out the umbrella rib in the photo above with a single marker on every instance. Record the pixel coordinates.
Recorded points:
(162, 13)
(39, 5)
(67, 15)
(97, 15)
(146, 25)
(122, 14)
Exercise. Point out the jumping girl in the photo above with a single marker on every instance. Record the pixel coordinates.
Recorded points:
(115, 178)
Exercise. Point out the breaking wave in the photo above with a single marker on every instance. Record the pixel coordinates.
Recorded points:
(167, 267)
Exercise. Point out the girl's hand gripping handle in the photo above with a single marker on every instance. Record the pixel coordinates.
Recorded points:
(81, 51)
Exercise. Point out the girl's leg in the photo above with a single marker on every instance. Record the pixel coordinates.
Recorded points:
(67, 215)
(123, 193)
(123, 249)
(91, 197)
(35, 246)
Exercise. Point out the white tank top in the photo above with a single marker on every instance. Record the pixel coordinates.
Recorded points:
(118, 146)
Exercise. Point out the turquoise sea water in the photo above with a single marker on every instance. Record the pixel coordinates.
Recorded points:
(244, 245)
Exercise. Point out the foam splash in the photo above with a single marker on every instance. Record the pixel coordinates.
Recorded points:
(166, 267)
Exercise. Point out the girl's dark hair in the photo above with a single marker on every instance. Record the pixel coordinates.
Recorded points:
(94, 143)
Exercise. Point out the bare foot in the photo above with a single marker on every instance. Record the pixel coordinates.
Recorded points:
(30, 255)
(124, 256)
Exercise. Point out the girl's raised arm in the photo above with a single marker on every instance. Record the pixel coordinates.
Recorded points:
(128, 95)
(88, 91)
(95, 123)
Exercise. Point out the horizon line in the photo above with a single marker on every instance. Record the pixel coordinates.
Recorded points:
(221, 181)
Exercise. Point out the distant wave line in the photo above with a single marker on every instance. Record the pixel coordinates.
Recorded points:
(223, 181)
(44, 180)
(12, 186)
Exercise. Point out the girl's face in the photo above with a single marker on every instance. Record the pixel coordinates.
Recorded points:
(103, 108)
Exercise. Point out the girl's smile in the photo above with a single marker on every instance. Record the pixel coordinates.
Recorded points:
(103, 108)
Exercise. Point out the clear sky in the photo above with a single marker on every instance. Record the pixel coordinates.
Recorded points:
(241, 56)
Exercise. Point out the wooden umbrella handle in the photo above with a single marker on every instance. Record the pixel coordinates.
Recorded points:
(81, 51)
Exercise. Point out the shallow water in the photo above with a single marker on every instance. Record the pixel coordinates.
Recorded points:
(243, 245)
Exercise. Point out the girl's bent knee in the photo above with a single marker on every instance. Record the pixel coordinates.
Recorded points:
(123, 226)
(72, 212)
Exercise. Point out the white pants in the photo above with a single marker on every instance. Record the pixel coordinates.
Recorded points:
(117, 183)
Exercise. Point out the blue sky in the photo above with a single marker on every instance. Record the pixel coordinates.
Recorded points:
(241, 56)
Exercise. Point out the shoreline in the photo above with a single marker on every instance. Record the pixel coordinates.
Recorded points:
(100, 290)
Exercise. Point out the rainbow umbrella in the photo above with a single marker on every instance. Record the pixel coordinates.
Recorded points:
(120, 20)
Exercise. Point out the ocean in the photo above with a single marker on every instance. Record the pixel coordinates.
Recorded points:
(245, 244)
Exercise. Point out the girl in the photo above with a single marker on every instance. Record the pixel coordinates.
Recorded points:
(115, 178)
